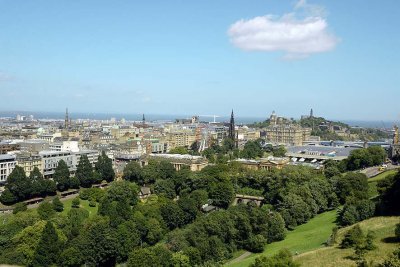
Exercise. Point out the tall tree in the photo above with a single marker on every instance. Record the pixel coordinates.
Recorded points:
(18, 184)
(84, 171)
(133, 173)
(61, 176)
(105, 168)
(49, 247)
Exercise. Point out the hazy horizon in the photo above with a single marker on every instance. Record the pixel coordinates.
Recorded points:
(203, 57)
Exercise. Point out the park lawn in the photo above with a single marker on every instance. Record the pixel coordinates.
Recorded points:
(83, 204)
(374, 181)
(306, 237)
(383, 228)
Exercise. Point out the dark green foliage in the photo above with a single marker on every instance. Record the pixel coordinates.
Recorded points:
(104, 167)
(331, 171)
(75, 203)
(352, 238)
(75, 220)
(74, 182)
(123, 190)
(58, 205)
(172, 215)
(84, 171)
(46, 210)
(92, 203)
(355, 211)
(179, 150)
(18, 185)
(128, 237)
(21, 206)
(351, 185)
(397, 231)
(366, 157)
(165, 188)
(7, 197)
(40, 186)
(92, 193)
(294, 210)
(190, 209)
(390, 195)
(133, 173)
(143, 257)
(276, 227)
(282, 259)
(200, 197)
(49, 247)
(222, 194)
(98, 243)
(256, 243)
(61, 176)
(71, 257)
(251, 150)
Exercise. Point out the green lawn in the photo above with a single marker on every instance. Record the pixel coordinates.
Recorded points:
(83, 203)
(374, 181)
(383, 228)
(304, 238)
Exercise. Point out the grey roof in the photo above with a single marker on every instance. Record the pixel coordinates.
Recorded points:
(7, 157)
(323, 150)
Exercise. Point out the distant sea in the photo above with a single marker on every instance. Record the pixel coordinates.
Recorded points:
(172, 117)
(119, 116)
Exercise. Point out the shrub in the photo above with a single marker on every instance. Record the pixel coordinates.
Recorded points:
(75, 203)
(20, 207)
(352, 237)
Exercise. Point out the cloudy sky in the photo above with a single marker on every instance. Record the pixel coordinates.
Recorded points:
(202, 57)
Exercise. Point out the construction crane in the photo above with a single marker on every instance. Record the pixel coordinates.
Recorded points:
(210, 116)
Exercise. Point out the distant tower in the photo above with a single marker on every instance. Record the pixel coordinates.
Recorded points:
(66, 121)
(396, 135)
(311, 114)
(231, 133)
(143, 120)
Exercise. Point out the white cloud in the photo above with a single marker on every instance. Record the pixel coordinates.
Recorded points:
(297, 37)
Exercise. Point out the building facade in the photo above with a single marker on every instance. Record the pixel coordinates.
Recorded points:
(7, 165)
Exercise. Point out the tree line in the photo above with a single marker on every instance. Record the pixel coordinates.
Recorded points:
(20, 187)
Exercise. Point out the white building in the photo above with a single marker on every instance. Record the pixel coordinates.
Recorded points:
(65, 146)
(50, 161)
(7, 165)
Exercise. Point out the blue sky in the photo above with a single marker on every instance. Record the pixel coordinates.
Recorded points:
(202, 57)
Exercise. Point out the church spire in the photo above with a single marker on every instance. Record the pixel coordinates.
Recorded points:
(143, 120)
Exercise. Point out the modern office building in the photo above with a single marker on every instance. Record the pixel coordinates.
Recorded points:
(7, 165)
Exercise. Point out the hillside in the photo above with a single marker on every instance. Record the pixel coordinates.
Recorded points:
(383, 228)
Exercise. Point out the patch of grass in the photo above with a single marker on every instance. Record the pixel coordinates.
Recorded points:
(304, 238)
(83, 204)
(372, 182)
(383, 228)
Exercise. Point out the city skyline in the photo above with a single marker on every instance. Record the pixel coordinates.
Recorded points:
(201, 58)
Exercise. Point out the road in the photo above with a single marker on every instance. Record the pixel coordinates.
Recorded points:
(374, 171)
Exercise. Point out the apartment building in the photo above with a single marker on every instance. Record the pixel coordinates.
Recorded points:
(7, 165)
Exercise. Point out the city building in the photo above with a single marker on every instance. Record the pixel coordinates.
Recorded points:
(287, 134)
(264, 163)
(50, 161)
(7, 165)
(195, 163)
(6, 147)
(29, 162)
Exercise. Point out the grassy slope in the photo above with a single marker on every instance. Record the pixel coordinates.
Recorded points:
(374, 180)
(383, 227)
(83, 204)
(304, 238)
